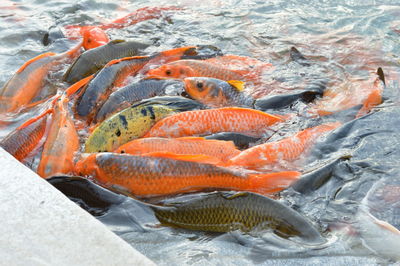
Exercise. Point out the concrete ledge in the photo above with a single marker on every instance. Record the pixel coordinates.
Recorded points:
(40, 226)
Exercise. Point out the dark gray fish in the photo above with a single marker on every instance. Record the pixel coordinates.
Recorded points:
(230, 211)
(128, 95)
(94, 59)
(241, 141)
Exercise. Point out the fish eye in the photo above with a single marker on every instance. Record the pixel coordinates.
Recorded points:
(168, 72)
(199, 85)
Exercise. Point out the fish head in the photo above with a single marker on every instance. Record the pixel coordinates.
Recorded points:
(93, 37)
(171, 71)
(204, 89)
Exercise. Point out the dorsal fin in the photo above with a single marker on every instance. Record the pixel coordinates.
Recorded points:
(116, 41)
(381, 75)
(27, 63)
(232, 195)
(237, 84)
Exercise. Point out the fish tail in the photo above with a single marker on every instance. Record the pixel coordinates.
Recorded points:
(272, 182)
(373, 99)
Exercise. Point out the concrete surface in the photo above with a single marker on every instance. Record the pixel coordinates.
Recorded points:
(40, 226)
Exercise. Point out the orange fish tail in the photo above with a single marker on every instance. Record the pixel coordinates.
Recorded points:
(373, 99)
(272, 182)
(79, 84)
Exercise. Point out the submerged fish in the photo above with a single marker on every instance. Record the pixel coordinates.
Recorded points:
(144, 176)
(93, 60)
(194, 68)
(61, 144)
(241, 141)
(222, 150)
(126, 96)
(217, 93)
(23, 140)
(203, 122)
(288, 149)
(29, 80)
(230, 211)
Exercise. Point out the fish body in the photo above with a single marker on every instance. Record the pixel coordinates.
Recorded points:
(29, 80)
(222, 150)
(144, 176)
(61, 144)
(93, 60)
(111, 76)
(122, 127)
(193, 68)
(229, 211)
(217, 93)
(204, 122)
(288, 149)
(23, 140)
(128, 95)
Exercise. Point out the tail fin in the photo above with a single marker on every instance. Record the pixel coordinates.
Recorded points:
(272, 182)
(79, 84)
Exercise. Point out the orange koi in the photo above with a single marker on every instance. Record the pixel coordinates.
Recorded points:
(220, 149)
(288, 149)
(23, 140)
(367, 93)
(142, 14)
(203, 122)
(145, 176)
(62, 143)
(193, 68)
(28, 81)
(94, 37)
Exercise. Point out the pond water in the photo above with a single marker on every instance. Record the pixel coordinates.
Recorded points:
(344, 41)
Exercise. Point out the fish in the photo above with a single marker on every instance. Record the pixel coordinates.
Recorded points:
(115, 74)
(124, 126)
(95, 59)
(145, 13)
(128, 95)
(285, 150)
(241, 141)
(61, 144)
(94, 37)
(181, 69)
(204, 122)
(223, 150)
(217, 93)
(30, 78)
(226, 211)
(353, 92)
(144, 176)
(24, 139)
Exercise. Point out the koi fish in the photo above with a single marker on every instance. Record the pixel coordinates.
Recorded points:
(217, 93)
(94, 37)
(125, 126)
(193, 68)
(61, 144)
(230, 211)
(142, 14)
(128, 95)
(24, 139)
(223, 150)
(29, 80)
(114, 75)
(367, 93)
(93, 60)
(144, 176)
(203, 122)
(288, 149)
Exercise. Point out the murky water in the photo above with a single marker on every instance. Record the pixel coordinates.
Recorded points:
(343, 40)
